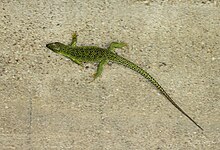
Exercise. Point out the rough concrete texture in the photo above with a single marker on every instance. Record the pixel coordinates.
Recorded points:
(48, 102)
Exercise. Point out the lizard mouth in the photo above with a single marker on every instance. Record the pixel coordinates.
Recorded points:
(52, 46)
(49, 45)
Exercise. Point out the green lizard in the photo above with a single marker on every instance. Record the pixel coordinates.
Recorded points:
(79, 54)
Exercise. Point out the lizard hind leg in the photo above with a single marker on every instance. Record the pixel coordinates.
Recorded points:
(114, 45)
(74, 39)
(99, 69)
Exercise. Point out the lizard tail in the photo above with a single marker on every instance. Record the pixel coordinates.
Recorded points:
(120, 60)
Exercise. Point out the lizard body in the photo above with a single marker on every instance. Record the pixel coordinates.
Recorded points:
(79, 54)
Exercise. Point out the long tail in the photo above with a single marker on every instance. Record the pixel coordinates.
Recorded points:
(120, 60)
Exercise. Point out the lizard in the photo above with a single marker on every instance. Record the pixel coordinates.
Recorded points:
(91, 54)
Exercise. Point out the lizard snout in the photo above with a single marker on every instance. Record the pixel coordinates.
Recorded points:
(54, 46)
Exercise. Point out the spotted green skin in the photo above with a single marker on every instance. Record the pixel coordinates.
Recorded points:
(102, 56)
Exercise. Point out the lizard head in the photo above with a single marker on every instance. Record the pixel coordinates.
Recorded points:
(56, 47)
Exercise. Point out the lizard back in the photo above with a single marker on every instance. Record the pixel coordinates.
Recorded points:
(88, 53)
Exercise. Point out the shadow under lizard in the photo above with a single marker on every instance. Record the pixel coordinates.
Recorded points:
(80, 54)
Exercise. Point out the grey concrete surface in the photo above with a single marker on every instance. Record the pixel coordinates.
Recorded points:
(47, 102)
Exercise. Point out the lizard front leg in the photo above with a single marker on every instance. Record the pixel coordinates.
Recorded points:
(78, 62)
(74, 39)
